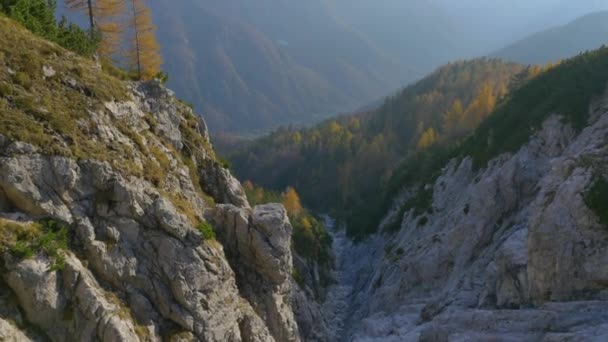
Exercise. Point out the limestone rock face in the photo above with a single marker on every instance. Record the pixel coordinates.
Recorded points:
(138, 268)
(257, 243)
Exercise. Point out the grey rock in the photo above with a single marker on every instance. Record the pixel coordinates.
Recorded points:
(48, 71)
(68, 304)
(502, 242)
(220, 184)
(137, 264)
(11, 333)
(258, 246)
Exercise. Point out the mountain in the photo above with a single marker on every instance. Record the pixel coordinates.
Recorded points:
(297, 62)
(503, 237)
(279, 75)
(118, 223)
(340, 164)
(495, 24)
(586, 33)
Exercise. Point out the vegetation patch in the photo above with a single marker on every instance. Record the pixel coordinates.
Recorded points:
(596, 198)
(566, 89)
(206, 230)
(24, 240)
(420, 203)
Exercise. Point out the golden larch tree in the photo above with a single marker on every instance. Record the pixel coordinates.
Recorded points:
(291, 201)
(104, 17)
(452, 119)
(428, 139)
(143, 48)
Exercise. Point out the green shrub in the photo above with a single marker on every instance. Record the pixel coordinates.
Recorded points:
(310, 238)
(596, 198)
(206, 230)
(26, 240)
(38, 16)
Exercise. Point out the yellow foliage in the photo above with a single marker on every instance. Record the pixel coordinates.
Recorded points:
(291, 202)
(144, 50)
(428, 139)
(104, 17)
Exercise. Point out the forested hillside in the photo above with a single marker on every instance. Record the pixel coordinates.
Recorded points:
(341, 164)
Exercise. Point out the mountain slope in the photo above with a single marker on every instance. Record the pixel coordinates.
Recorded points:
(509, 243)
(340, 164)
(301, 77)
(298, 62)
(586, 33)
(116, 220)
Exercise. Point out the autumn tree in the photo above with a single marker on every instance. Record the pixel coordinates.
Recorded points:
(428, 139)
(291, 201)
(483, 105)
(143, 49)
(104, 18)
(452, 119)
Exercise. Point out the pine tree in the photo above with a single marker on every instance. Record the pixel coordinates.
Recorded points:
(144, 50)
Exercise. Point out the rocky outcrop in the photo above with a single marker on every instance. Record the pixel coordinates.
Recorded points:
(508, 252)
(257, 243)
(138, 267)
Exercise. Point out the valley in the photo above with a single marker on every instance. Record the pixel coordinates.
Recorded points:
(469, 204)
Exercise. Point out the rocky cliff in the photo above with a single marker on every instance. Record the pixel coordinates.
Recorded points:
(117, 223)
(508, 252)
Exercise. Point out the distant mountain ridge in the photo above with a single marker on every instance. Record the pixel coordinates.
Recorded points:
(293, 62)
(585, 33)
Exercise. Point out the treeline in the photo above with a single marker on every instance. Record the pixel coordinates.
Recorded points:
(120, 32)
(346, 164)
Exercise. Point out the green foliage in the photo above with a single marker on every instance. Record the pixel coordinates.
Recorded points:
(566, 89)
(420, 203)
(162, 76)
(596, 198)
(206, 230)
(72, 37)
(27, 240)
(38, 16)
(310, 239)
